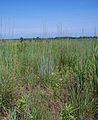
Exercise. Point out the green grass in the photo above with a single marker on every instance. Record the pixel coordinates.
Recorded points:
(46, 75)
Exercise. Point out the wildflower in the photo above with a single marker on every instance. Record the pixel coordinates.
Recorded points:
(52, 74)
(60, 79)
(57, 85)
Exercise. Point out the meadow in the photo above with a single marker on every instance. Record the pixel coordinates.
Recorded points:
(49, 79)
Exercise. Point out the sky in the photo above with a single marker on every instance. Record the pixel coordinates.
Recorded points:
(32, 18)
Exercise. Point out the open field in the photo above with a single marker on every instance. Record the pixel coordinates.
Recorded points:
(49, 79)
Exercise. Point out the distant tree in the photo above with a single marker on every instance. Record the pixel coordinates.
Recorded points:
(21, 39)
(37, 38)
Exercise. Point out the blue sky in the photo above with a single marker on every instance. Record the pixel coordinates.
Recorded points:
(28, 17)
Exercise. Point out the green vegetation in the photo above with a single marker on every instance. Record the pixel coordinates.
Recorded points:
(49, 79)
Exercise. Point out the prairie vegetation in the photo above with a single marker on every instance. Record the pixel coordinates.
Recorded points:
(49, 79)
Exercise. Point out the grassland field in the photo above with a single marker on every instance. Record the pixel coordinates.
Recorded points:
(49, 79)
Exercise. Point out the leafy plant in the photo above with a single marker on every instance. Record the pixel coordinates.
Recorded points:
(21, 106)
(66, 113)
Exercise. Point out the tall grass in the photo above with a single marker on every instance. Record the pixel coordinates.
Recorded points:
(26, 69)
